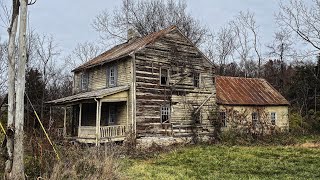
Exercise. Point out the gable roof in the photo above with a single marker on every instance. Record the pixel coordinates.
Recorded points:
(247, 91)
(125, 49)
(129, 47)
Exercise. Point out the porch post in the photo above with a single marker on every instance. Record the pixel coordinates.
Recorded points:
(65, 122)
(79, 126)
(98, 122)
(127, 128)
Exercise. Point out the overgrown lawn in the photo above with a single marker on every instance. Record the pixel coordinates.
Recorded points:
(229, 162)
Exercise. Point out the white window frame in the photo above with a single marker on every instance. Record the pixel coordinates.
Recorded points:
(84, 81)
(273, 118)
(112, 76)
(165, 110)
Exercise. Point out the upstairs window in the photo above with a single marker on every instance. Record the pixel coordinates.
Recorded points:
(84, 81)
(254, 118)
(112, 76)
(165, 113)
(196, 79)
(164, 76)
(223, 118)
(273, 118)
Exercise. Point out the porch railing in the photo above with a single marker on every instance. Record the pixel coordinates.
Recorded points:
(113, 131)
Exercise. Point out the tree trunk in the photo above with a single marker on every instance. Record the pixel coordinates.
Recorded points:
(18, 165)
(12, 30)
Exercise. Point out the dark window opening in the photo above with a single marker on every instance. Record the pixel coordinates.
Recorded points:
(165, 113)
(196, 79)
(254, 118)
(164, 77)
(273, 118)
(197, 117)
(223, 118)
(112, 114)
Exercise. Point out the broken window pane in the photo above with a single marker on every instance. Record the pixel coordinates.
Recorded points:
(165, 113)
(196, 79)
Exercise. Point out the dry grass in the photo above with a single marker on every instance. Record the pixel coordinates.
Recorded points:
(88, 163)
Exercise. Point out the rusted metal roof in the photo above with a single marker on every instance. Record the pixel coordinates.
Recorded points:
(89, 95)
(125, 49)
(247, 91)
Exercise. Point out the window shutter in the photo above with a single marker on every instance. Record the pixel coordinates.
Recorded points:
(107, 77)
(115, 75)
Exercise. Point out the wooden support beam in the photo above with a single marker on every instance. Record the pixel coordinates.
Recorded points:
(65, 122)
(80, 118)
(127, 127)
(98, 115)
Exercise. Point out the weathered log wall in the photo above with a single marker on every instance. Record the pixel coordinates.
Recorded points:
(176, 54)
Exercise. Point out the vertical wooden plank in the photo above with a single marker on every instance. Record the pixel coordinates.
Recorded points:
(127, 112)
(65, 122)
(98, 110)
(80, 113)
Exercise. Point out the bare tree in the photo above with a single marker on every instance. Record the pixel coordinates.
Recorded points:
(18, 151)
(281, 46)
(3, 67)
(12, 30)
(247, 40)
(82, 53)
(224, 46)
(15, 165)
(146, 17)
(302, 19)
(46, 51)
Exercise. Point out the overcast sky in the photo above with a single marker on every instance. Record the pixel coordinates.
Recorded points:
(69, 22)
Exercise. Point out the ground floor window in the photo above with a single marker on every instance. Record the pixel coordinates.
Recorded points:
(165, 113)
(223, 118)
(273, 118)
(254, 118)
(197, 117)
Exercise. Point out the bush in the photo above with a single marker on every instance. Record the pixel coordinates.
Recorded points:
(232, 137)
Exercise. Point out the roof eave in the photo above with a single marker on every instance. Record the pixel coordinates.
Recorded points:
(99, 64)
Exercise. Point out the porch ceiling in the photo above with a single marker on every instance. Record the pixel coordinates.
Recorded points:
(89, 95)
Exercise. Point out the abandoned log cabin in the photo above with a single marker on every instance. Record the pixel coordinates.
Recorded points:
(250, 102)
(158, 85)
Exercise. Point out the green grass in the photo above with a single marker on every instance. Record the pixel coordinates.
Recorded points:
(223, 162)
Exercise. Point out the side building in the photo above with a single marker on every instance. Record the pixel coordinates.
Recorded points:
(252, 104)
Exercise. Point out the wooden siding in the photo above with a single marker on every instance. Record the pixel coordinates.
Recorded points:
(183, 60)
(98, 75)
(98, 80)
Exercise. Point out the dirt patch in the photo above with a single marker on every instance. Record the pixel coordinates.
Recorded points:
(309, 145)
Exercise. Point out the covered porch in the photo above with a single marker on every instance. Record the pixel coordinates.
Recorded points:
(97, 116)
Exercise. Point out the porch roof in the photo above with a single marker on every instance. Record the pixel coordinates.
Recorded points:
(89, 95)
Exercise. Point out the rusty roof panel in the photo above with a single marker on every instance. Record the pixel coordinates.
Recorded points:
(124, 49)
(247, 91)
